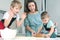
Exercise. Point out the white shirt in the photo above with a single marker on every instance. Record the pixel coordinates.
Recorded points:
(6, 16)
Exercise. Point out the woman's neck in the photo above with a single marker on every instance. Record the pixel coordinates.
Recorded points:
(33, 12)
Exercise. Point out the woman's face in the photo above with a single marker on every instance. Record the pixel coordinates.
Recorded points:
(31, 7)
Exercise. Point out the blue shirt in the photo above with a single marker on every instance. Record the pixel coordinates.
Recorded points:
(33, 21)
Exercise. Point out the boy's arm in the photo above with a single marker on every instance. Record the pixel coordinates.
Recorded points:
(7, 21)
(20, 22)
(23, 16)
(39, 30)
(51, 31)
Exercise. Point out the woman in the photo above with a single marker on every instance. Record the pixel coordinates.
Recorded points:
(32, 21)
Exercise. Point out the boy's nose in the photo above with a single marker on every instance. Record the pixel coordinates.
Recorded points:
(17, 11)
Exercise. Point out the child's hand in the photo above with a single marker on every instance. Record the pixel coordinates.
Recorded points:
(23, 16)
(33, 33)
(55, 23)
(47, 35)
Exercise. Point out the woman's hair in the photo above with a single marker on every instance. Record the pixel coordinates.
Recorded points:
(16, 2)
(27, 9)
(44, 14)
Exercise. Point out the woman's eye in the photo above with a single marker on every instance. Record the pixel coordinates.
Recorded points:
(29, 6)
(32, 5)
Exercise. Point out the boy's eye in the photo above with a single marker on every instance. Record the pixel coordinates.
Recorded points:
(16, 8)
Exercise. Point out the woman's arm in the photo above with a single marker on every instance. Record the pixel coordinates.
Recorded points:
(31, 30)
(39, 30)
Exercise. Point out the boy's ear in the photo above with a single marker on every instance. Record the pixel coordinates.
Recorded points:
(48, 16)
(11, 7)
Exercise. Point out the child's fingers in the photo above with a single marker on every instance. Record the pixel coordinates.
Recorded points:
(47, 36)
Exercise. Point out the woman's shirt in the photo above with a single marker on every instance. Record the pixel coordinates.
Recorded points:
(33, 21)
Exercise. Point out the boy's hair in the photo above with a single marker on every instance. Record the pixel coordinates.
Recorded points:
(44, 14)
(16, 2)
(27, 9)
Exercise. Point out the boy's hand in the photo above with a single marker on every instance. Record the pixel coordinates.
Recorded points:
(23, 16)
(47, 35)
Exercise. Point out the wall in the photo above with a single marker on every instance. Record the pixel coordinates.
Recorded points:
(53, 7)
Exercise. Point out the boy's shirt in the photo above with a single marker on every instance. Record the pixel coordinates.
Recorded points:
(48, 26)
(6, 16)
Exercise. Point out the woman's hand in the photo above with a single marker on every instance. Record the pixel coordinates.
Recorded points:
(33, 33)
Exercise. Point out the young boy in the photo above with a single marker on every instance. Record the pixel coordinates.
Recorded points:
(12, 15)
(48, 25)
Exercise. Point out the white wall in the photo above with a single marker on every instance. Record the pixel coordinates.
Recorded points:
(4, 4)
(53, 7)
(39, 3)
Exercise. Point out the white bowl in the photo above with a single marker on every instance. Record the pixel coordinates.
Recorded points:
(8, 33)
